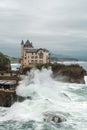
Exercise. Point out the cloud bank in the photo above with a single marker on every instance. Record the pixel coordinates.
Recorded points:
(58, 25)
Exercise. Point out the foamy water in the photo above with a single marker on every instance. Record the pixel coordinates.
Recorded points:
(48, 95)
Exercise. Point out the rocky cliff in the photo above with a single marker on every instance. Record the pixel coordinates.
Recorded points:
(69, 73)
(8, 97)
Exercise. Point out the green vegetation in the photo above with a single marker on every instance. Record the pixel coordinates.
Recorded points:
(56, 67)
(4, 63)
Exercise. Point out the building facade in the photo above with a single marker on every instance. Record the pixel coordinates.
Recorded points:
(30, 56)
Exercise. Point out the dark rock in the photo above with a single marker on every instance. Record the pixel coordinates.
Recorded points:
(29, 97)
(8, 97)
(55, 117)
(69, 73)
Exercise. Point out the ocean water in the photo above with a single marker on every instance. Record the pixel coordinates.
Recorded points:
(48, 96)
(15, 66)
(81, 63)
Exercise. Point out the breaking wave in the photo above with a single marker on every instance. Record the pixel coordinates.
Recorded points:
(50, 99)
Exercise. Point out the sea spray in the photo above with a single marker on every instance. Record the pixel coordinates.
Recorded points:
(48, 96)
(40, 84)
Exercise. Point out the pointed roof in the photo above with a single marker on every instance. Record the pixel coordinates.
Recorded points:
(22, 42)
(28, 44)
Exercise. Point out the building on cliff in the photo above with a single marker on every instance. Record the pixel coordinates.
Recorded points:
(30, 56)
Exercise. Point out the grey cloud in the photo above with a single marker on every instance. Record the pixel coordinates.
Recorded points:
(58, 25)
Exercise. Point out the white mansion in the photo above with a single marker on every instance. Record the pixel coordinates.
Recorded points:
(30, 56)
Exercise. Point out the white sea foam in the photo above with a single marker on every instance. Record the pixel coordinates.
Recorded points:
(47, 95)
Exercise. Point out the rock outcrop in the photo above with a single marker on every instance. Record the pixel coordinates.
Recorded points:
(66, 73)
(8, 97)
(69, 73)
(55, 117)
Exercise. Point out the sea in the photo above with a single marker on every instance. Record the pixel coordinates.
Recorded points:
(49, 97)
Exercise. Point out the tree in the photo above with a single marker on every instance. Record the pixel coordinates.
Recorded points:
(4, 62)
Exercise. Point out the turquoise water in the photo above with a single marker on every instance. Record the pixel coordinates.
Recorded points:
(48, 95)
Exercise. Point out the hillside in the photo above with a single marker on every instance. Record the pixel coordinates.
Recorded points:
(4, 62)
(14, 60)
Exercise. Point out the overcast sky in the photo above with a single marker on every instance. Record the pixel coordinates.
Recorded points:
(58, 25)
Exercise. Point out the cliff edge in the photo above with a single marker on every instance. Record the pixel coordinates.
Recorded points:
(69, 73)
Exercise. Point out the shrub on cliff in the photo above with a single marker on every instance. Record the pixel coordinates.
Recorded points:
(4, 62)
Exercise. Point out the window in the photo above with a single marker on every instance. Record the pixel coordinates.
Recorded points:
(32, 61)
(35, 57)
(41, 55)
(32, 57)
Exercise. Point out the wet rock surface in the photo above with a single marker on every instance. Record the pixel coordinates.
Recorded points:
(70, 73)
(73, 73)
(8, 97)
(56, 117)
